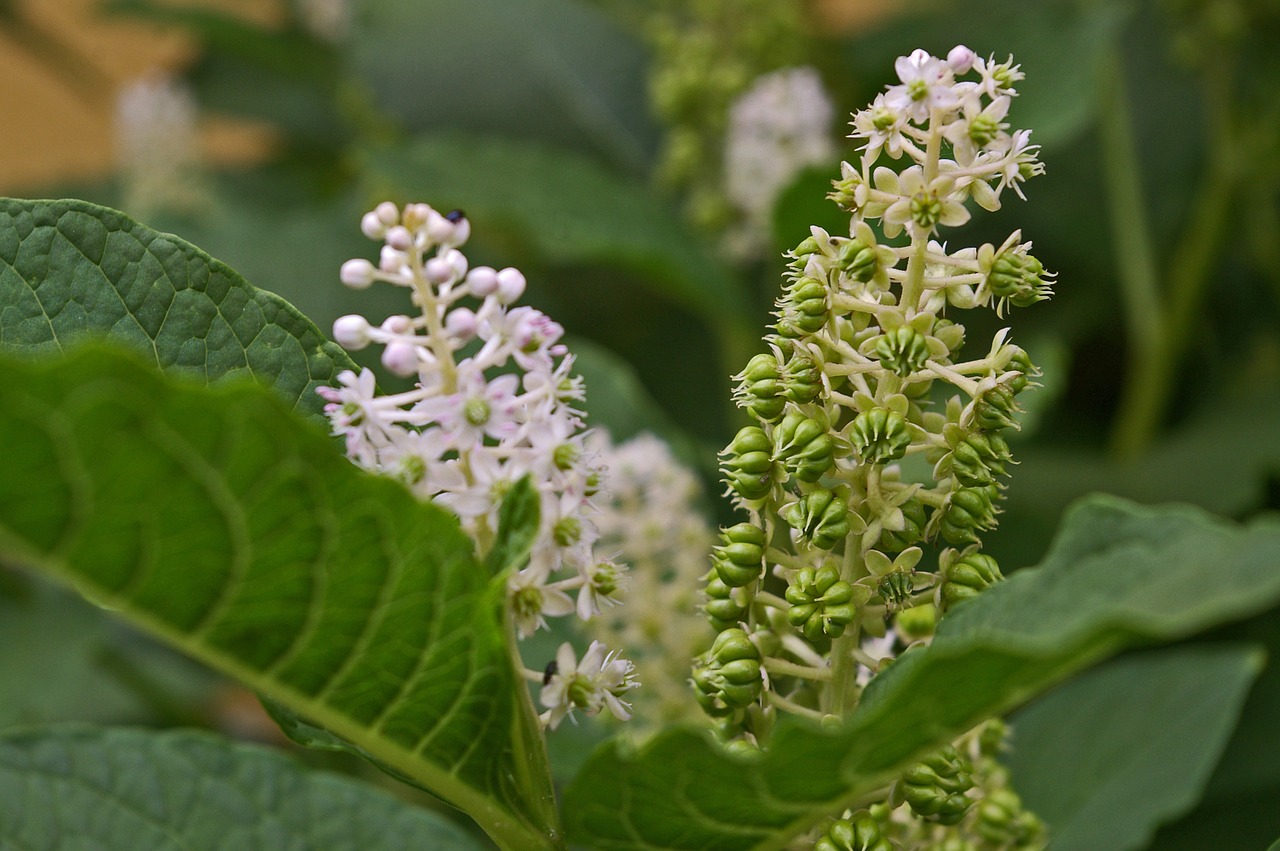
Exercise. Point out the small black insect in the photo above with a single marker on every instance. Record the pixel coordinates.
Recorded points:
(550, 671)
(455, 216)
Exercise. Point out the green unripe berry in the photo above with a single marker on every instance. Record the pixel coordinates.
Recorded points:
(935, 787)
(979, 458)
(803, 310)
(857, 833)
(1020, 278)
(723, 611)
(739, 560)
(902, 351)
(858, 261)
(821, 603)
(1004, 822)
(917, 622)
(763, 387)
(748, 463)
(727, 678)
(804, 446)
(967, 577)
(802, 382)
(880, 435)
(821, 517)
(897, 587)
(996, 409)
(915, 520)
(970, 511)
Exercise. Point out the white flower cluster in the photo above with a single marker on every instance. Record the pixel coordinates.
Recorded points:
(494, 401)
(157, 145)
(777, 128)
(929, 105)
(327, 20)
(649, 513)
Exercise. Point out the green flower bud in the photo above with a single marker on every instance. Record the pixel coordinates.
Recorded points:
(858, 260)
(845, 190)
(970, 511)
(739, 560)
(821, 517)
(978, 459)
(859, 832)
(803, 310)
(821, 603)
(967, 577)
(915, 521)
(880, 435)
(935, 787)
(803, 381)
(1020, 278)
(722, 610)
(804, 446)
(748, 463)
(902, 351)
(727, 677)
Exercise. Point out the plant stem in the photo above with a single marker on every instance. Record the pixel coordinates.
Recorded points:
(1159, 337)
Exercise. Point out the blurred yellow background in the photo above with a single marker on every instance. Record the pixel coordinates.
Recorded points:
(63, 61)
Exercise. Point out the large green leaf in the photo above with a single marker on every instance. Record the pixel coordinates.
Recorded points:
(139, 790)
(1118, 574)
(221, 523)
(567, 209)
(1108, 757)
(70, 269)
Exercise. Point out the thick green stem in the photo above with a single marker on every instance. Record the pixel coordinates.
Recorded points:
(1159, 337)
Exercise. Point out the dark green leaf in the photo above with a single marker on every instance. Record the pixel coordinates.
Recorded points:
(1117, 575)
(70, 269)
(126, 790)
(517, 528)
(221, 523)
(566, 209)
(1108, 757)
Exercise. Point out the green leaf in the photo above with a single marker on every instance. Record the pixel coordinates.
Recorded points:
(1117, 575)
(567, 209)
(70, 269)
(1108, 757)
(518, 518)
(124, 790)
(218, 521)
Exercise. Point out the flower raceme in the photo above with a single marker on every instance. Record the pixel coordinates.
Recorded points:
(494, 400)
(852, 548)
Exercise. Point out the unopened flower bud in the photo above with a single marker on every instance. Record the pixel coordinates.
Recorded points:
(351, 332)
(357, 274)
(397, 323)
(482, 281)
(400, 238)
(461, 323)
(401, 359)
(961, 59)
(438, 271)
(372, 226)
(511, 285)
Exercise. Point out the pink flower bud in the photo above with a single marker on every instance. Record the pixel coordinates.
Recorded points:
(357, 274)
(387, 213)
(400, 238)
(961, 59)
(372, 227)
(510, 285)
(351, 332)
(482, 281)
(401, 359)
(461, 323)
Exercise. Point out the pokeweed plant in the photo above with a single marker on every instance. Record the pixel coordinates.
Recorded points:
(861, 644)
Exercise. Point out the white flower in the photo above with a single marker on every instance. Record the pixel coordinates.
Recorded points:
(597, 682)
(927, 84)
(157, 145)
(532, 600)
(777, 128)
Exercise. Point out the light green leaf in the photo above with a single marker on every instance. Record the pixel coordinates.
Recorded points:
(567, 209)
(70, 269)
(518, 518)
(1108, 757)
(1117, 575)
(139, 790)
(218, 521)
